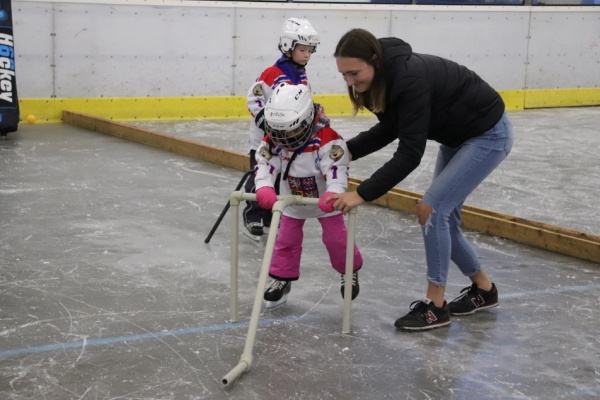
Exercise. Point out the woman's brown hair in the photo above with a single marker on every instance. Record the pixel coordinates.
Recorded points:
(360, 43)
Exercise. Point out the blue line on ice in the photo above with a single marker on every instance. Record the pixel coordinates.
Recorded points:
(137, 338)
(231, 326)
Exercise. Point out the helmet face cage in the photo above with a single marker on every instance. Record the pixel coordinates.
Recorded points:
(289, 116)
(294, 139)
(297, 31)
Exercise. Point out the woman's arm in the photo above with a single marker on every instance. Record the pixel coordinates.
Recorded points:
(367, 142)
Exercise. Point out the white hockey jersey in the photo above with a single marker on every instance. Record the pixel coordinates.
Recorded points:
(320, 166)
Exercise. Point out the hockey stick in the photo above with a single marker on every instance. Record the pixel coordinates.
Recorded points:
(214, 228)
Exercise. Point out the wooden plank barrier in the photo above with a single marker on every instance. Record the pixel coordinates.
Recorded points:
(550, 237)
(199, 151)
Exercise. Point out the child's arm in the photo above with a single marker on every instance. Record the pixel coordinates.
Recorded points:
(256, 100)
(259, 94)
(334, 161)
(268, 166)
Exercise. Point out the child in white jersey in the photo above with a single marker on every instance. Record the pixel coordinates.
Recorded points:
(313, 161)
(297, 42)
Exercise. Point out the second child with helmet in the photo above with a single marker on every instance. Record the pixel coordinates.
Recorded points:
(297, 42)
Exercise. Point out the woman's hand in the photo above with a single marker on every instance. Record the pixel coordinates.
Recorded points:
(345, 201)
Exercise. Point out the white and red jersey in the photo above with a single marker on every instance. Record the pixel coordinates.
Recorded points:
(320, 166)
(283, 71)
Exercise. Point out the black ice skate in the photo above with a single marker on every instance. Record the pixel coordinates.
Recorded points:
(276, 293)
(254, 230)
(355, 285)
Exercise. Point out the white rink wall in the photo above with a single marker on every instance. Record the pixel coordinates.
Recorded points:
(92, 49)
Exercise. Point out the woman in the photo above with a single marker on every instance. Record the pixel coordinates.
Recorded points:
(420, 97)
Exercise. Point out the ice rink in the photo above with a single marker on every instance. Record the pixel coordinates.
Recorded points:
(108, 291)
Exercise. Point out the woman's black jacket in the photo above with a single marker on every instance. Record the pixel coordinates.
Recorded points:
(427, 97)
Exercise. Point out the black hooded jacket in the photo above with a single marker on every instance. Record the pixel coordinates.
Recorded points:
(427, 97)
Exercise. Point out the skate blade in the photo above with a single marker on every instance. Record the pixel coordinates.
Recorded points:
(270, 305)
(251, 236)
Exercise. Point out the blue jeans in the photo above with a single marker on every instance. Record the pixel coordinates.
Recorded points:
(458, 171)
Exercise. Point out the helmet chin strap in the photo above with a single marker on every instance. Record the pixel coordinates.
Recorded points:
(298, 151)
(287, 169)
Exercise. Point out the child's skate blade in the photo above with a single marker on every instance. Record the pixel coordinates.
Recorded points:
(269, 305)
(251, 236)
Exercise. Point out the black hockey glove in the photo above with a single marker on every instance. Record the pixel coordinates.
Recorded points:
(259, 120)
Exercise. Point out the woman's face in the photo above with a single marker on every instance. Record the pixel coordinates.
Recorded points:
(356, 72)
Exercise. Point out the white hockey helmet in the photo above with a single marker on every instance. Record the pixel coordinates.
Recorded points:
(289, 116)
(297, 31)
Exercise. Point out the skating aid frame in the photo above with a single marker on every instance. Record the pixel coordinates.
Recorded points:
(282, 201)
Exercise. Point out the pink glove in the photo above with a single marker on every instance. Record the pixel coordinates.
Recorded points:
(327, 207)
(266, 197)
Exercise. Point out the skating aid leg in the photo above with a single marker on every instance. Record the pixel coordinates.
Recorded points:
(246, 359)
(346, 323)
